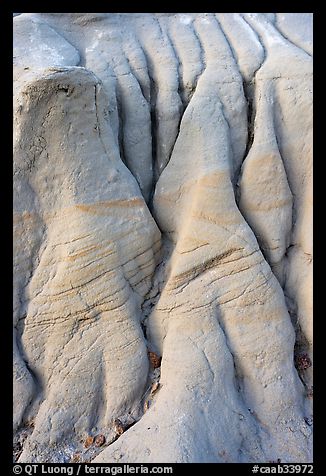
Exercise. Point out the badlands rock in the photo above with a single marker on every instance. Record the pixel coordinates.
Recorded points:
(162, 208)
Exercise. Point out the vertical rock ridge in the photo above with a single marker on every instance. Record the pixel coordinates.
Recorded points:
(130, 235)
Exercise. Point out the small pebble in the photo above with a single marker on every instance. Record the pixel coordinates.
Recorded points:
(154, 359)
(303, 362)
(89, 441)
(99, 440)
(75, 458)
(118, 427)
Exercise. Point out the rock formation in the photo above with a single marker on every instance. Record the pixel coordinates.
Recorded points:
(162, 237)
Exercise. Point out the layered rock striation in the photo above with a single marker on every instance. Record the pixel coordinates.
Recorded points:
(163, 237)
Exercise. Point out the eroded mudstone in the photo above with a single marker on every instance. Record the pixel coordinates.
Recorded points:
(163, 237)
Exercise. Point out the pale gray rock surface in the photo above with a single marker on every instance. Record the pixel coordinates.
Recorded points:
(163, 203)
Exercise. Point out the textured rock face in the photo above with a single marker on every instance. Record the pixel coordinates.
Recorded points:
(162, 208)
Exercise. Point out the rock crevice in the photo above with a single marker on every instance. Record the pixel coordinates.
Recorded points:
(162, 224)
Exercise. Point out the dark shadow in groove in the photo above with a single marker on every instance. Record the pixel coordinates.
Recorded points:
(249, 93)
(153, 96)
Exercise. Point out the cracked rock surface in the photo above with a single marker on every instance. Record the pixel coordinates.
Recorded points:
(163, 237)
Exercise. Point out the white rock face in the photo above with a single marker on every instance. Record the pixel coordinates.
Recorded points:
(163, 208)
